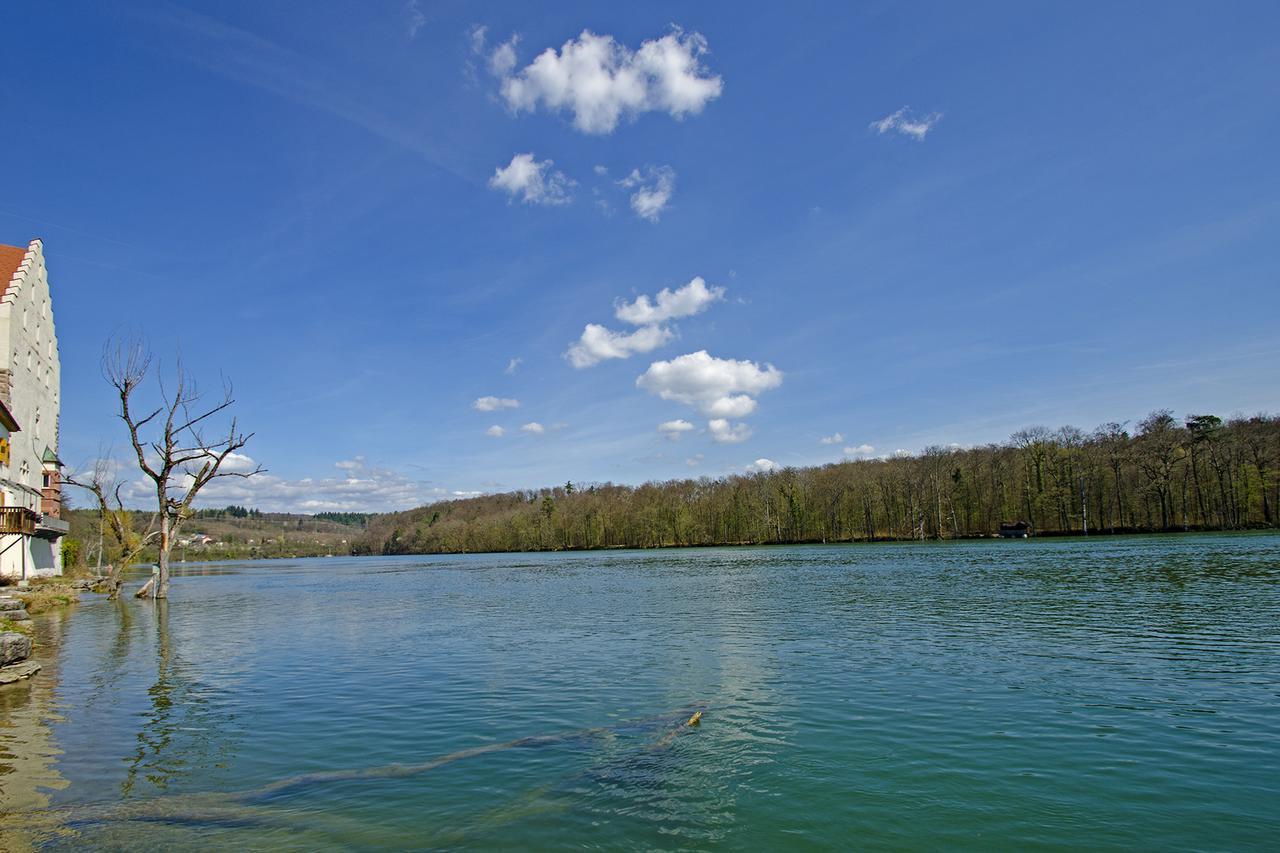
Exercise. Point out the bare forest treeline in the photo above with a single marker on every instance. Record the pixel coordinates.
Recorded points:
(1199, 473)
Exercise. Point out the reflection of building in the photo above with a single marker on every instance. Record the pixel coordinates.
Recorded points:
(30, 380)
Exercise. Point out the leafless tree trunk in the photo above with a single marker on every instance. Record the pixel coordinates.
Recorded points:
(115, 522)
(170, 444)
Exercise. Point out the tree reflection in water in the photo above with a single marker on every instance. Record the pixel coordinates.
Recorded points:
(184, 729)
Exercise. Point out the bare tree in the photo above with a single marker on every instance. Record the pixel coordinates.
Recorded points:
(170, 440)
(115, 523)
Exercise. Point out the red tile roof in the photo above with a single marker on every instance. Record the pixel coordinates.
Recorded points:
(10, 259)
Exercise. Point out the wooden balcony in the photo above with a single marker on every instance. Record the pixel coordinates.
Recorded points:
(17, 520)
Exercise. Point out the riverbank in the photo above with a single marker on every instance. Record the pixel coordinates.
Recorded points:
(1052, 534)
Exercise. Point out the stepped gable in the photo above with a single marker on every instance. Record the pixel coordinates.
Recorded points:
(11, 258)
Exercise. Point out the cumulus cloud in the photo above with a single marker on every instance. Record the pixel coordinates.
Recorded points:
(601, 81)
(493, 404)
(693, 298)
(717, 387)
(694, 461)
(653, 190)
(356, 487)
(503, 58)
(236, 463)
(860, 450)
(533, 428)
(834, 438)
(674, 429)
(723, 432)
(762, 465)
(904, 123)
(532, 181)
(495, 431)
(900, 453)
(599, 343)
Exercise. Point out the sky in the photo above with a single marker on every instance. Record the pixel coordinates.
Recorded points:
(444, 249)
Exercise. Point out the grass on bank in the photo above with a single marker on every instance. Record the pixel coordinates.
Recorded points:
(43, 595)
(20, 627)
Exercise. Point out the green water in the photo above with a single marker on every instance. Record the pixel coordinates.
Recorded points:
(1103, 693)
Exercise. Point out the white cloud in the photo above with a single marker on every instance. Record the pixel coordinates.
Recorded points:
(533, 428)
(358, 487)
(495, 431)
(694, 461)
(493, 404)
(693, 298)
(722, 432)
(653, 190)
(717, 387)
(762, 465)
(599, 343)
(512, 365)
(904, 123)
(674, 429)
(236, 463)
(901, 453)
(533, 181)
(414, 17)
(834, 438)
(503, 58)
(860, 450)
(600, 81)
(600, 170)
(478, 34)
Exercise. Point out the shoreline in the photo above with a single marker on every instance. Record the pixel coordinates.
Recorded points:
(1057, 536)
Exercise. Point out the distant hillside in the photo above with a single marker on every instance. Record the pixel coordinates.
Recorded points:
(241, 533)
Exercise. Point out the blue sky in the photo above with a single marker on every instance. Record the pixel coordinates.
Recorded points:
(913, 224)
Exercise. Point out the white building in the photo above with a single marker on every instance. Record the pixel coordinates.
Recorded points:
(30, 382)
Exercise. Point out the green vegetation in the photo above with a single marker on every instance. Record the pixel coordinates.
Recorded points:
(45, 594)
(232, 511)
(252, 535)
(9, 625)
(351, 519)
(1198, 474)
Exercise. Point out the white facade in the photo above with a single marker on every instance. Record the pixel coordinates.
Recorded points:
(30, 384)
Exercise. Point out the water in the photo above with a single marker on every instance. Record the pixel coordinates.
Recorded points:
(1108, 693)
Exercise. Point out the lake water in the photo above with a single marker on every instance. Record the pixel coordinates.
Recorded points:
(1101, 693)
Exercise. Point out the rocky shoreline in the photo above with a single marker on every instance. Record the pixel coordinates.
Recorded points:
(16, 645)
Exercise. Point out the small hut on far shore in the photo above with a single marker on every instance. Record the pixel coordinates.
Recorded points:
(1014, 530)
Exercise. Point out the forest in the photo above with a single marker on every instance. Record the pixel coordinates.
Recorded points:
(1166, 474)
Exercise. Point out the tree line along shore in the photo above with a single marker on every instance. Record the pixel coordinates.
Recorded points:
(1166, 474)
